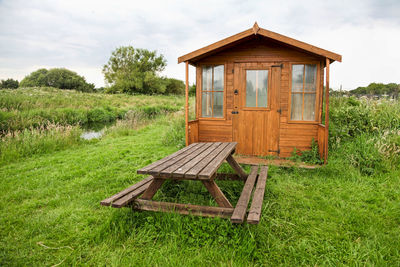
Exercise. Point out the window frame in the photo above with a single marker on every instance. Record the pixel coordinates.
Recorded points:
(200, 92)
(317, 92)
(243, 104)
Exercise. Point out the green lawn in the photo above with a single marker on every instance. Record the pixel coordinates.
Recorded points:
(50, 213)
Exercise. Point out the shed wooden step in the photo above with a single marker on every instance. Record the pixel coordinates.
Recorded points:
(126, 196)
(258, 197)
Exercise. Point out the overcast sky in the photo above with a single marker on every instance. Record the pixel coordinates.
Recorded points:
(80, 35)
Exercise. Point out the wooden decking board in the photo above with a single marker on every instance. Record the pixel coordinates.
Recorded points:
(186, 209)
(180, 173)
(258, 197)
(193, 172)
(156, 170)
(155, 164)
(128, 198)
(108, 201)
(166, 173)
(216, 162)
(241, 207)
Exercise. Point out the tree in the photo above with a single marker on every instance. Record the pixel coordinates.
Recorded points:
(9, 83)
(59, 78)
(135, 70)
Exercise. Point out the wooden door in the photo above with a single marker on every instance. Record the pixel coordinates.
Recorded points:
(256, 112)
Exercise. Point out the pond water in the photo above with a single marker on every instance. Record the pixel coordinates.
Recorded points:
(91, 135)
(92, 131)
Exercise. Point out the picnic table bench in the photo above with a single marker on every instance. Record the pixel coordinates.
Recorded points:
(198, 161)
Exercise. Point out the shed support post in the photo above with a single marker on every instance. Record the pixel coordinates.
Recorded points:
(187, 105)
(326, 110)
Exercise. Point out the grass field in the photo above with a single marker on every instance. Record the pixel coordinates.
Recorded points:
(345, 213)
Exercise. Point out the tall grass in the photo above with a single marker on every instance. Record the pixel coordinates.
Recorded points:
(365, 133)
(34, 107)
(42, 120)
(15, 145)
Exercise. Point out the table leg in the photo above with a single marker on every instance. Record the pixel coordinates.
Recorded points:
(217, 194)
(236, 167)
(152, 189)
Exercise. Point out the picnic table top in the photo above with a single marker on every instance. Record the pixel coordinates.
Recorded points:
(196, 161)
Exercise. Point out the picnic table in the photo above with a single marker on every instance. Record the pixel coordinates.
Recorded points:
(198, 161)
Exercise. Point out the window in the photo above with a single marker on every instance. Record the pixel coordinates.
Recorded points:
(257, 88)
(212, 92)
(303, 94)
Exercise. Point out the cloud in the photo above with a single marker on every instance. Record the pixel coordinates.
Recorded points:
(80, 35)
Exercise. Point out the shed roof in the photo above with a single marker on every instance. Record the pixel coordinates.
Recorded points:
(256, 30)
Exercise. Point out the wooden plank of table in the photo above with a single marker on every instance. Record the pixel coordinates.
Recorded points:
(193, 172)
(186, 209)
(108, 201)
(155, 164)
(241, 207)
(167, 172)
(128, 198)
(216, 162)
(153, 188)
(258, 197)
(233, 163)
(156, 170)
(217, 194)
(180, 173)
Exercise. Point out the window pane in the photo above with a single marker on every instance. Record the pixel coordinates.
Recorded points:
(206, 110)
(262, 89)
(207, 78)
(218, 104)
(296, 104)
(310, 79)
(309, 107)
(219, 78)
(251, 88)
(297, 78)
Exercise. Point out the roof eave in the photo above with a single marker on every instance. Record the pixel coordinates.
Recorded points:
(266, 33)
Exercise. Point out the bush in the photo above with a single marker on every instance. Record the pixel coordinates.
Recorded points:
(9, 84)
(102, 115)
(192, 90)
(174, 86)
(59, 78)
(308, 156)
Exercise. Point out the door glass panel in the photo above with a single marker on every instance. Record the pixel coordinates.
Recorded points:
(206, 105)
(218, 100)
(251, 88)
(207, 78)
(256, 88)
(262, 89)
(310, 78)
(309, 107)
(296, 105)
(219, 78)
(297, 78)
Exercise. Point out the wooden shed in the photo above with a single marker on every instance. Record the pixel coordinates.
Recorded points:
(262, 90)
